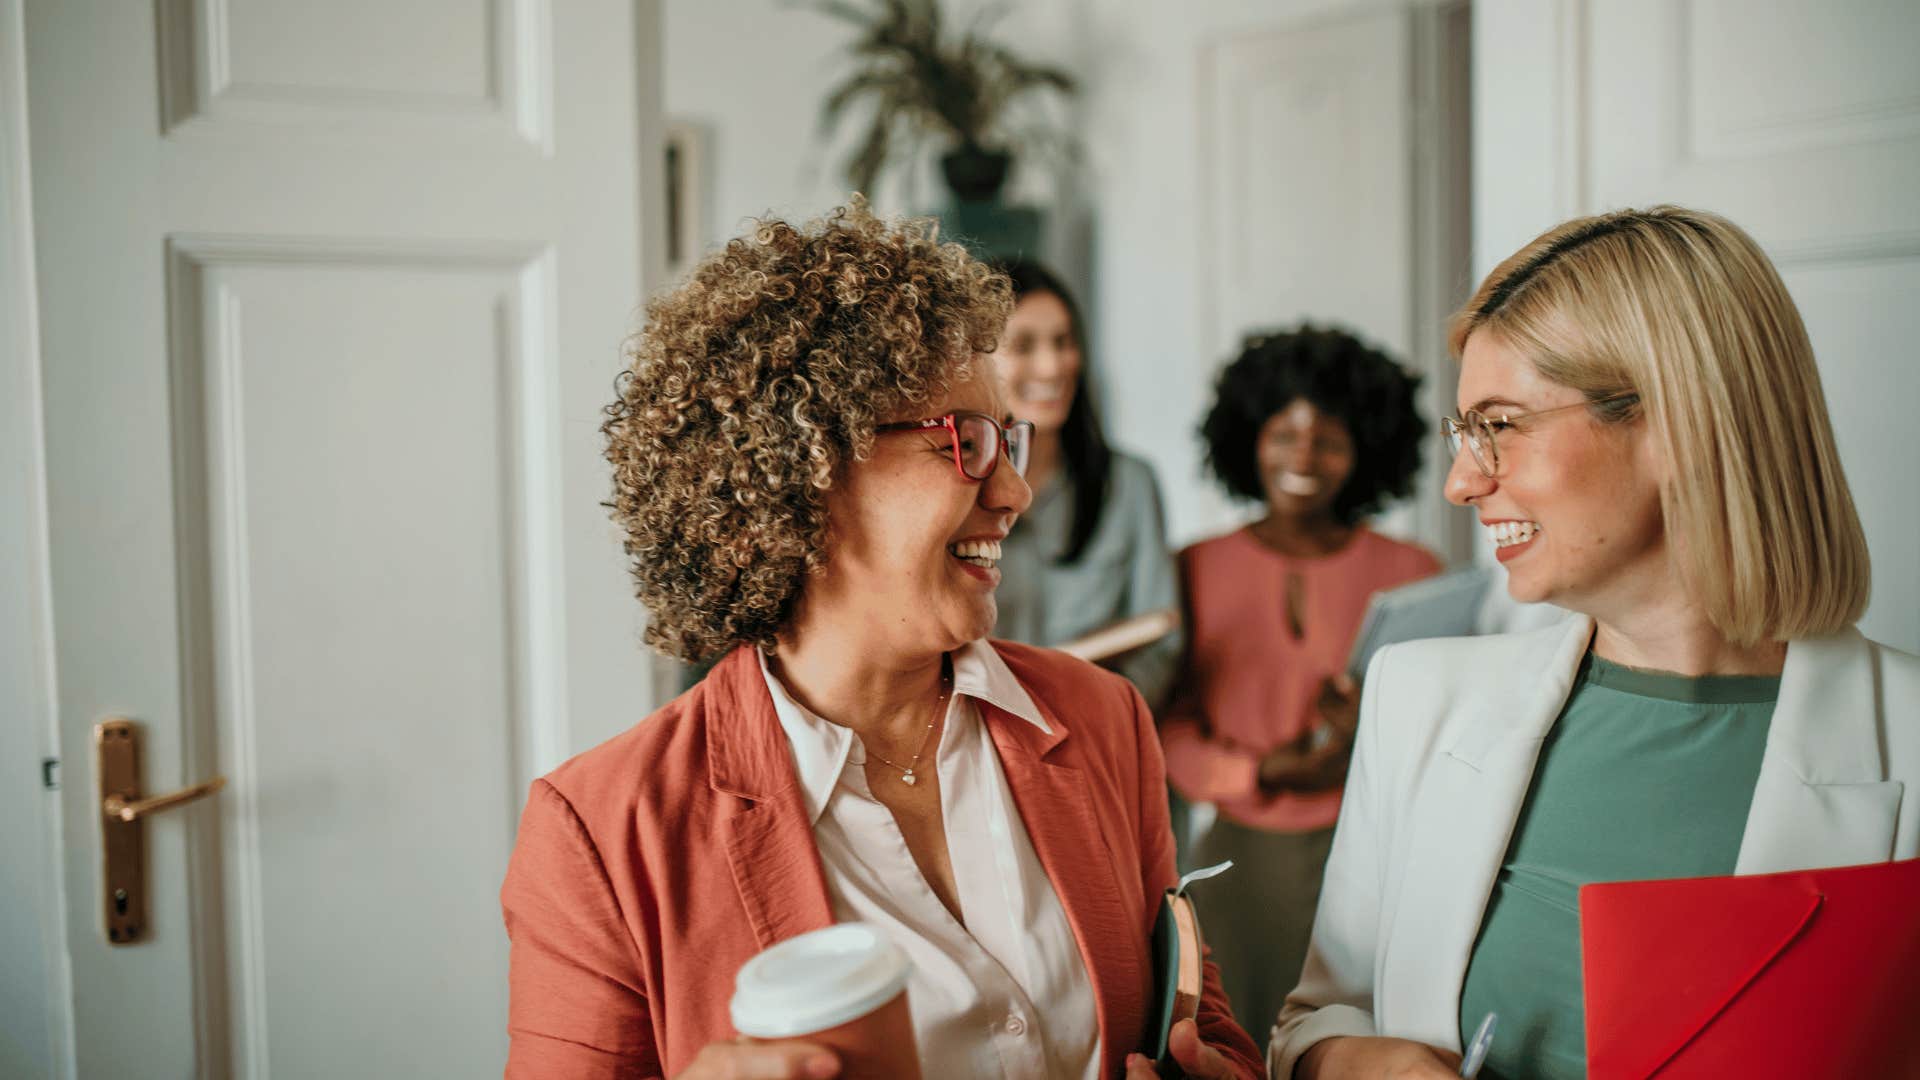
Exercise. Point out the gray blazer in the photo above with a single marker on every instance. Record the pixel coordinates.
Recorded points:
(1125, 571)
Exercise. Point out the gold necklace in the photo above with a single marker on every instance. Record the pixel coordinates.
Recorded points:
(906, 771)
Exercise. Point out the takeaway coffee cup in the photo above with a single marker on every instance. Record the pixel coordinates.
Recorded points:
(845, 988)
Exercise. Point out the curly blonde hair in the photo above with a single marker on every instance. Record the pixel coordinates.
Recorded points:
(752, 384)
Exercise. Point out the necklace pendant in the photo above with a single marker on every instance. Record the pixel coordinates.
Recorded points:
(907, 777)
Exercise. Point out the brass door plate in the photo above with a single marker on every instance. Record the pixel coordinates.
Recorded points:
(116, 745)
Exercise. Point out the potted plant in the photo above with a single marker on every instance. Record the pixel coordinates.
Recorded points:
(924, 81)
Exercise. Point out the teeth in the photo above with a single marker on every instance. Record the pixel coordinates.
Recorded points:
(986, 552)
(1509, 533)
(1297, 484)
(1042, 391)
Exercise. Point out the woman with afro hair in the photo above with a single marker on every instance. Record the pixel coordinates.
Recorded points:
(1321, 429)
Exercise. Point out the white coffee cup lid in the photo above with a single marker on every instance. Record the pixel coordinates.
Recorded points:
(817, 981)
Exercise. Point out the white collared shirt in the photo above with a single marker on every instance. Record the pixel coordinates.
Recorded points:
(1007, 994)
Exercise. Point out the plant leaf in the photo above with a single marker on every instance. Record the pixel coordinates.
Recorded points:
(890, 86)
(863, 168)
(844, 11)
(922, 81)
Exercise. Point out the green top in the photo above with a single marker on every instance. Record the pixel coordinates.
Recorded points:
(1645, 775)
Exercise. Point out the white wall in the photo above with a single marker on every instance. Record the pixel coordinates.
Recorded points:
(753, 73)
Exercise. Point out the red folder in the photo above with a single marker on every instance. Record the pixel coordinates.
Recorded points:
(1811, 973)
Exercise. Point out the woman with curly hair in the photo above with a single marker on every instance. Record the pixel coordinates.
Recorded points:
(1322, 430)
(814, 469)
(1092, 550)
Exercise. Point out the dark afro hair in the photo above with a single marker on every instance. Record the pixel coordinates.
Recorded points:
(1343, 377)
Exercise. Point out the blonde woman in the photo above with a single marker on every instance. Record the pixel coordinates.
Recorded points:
(1643, 433)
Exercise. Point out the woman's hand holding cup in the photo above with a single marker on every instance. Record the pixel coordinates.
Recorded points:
(834, 999)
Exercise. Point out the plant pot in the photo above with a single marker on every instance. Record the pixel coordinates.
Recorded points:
(975, 174)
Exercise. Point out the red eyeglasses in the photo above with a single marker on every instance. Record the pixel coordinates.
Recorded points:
(978, 440)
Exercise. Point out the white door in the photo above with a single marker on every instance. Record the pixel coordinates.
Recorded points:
(1798, 119)
(1333, 151)
(330, 295)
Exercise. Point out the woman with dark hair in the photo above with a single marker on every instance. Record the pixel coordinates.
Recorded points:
(1321, 429)
(1092, 549)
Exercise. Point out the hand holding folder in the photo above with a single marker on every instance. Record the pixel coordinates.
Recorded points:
(1810, 973)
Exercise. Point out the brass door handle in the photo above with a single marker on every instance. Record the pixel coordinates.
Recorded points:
(117, 806)
(123, 825)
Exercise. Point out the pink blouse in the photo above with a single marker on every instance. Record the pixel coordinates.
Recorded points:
(1249, 684)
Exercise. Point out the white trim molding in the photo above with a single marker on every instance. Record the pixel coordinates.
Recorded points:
(36, 997)
(200, 93)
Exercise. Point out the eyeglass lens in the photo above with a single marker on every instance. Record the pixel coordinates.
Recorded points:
(979, 446)
(1019, 444)
(1474, 431)
(980, 443)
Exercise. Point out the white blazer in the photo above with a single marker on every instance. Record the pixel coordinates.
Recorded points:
(1449, 733)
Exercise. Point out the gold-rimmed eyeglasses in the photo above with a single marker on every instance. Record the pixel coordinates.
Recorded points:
(1477, 430)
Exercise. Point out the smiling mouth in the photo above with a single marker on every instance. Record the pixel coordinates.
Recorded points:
(1294, 483)
(1049, 390)
(1512, 533)
(982, 553)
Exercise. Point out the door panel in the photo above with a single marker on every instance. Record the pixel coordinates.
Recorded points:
(1800, 120)
(373, 683)
(476, 71)
(1333, 182)
(330, 297)
(1310, 180)
(1797, 119)
(1861, 315)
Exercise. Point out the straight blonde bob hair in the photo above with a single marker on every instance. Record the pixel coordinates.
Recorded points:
(1682, 308)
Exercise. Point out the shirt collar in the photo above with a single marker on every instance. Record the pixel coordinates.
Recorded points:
(820, 747)
(979, 672)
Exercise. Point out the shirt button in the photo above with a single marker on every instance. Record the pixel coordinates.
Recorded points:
(1016, 1026)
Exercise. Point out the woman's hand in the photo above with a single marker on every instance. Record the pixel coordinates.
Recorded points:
(1318, 759)
(744, 1060)
(1198, 1060)
(1339, 704)
(1358, 1057)
(1300, 766)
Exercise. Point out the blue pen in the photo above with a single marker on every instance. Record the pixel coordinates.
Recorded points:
(1477, 1049)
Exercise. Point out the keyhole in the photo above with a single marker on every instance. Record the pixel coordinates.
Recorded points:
(120, 902)
(1296, 603)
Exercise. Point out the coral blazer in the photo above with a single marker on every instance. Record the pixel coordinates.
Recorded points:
(650, 868)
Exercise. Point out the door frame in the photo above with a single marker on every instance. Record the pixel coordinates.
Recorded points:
(33, 936)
